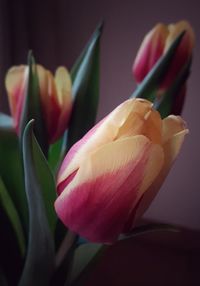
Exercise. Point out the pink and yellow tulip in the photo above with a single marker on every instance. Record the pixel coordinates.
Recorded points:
(110, 176)
(55, 94)
(156, 43)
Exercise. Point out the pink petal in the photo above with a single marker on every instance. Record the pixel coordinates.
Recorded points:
(97, 202)
(50, 106)
(56, 100)
(64, 99)
(15, 82)
(150, 51)
(183, 52)
(112, 127)
(174, 131)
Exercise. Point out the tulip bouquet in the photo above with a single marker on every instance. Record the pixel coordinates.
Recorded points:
(69, 188)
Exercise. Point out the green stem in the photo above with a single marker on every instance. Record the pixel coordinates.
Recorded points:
(65, 247)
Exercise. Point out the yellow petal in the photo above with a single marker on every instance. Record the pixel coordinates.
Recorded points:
(153, 126)
(106, 187)
(48, 97)
(174, 132)
(152, 172)
(176, 29)
(47, 85)
(43, 79)
(110, 129)
(172, 125)
(63, 86)
(133, 125)
(14, 76)
(144, 120)
(15, 79)
(114, 156)
(153, 167)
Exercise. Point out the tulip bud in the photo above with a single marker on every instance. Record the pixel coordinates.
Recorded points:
(105, 175)
(150, 51)
(55, 95)
(155, 44)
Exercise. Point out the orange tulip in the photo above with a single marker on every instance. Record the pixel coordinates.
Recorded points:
(55, 94)
(105, 179)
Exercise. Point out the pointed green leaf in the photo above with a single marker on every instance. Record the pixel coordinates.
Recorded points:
(57, 152)
(10, 210)
(46, 181)
(32, 107)
(85, 90)
(54, 154)
(86, 256)
(157, 73)
(39, 264)
(80, 59)
(165, 104)
(11, 169)
(85, 78)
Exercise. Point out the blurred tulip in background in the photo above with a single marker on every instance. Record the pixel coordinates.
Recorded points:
(55, 95)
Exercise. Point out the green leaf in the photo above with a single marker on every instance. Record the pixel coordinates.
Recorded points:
(11, 169)
(39, 265)
(54, 154)
(143, 229)
(85, 257)
(57, 152)
(165, 104)
(80, 59)
(32, 107)
(152, 80)
(46, 181)
(85, 78)
(9, 208)
(85, 89)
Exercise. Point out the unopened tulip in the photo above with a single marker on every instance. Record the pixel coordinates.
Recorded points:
(107, 174)
(154, 45)
(55, 95)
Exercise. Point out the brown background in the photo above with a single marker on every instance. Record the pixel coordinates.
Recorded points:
(58, 30)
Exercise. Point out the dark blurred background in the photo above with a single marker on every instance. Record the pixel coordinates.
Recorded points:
(57, 31)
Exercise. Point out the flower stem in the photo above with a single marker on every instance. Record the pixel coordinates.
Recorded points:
(65, 246)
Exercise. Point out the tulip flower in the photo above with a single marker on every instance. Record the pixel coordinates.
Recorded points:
(55, 95)
(106, 175)
(154, 45)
